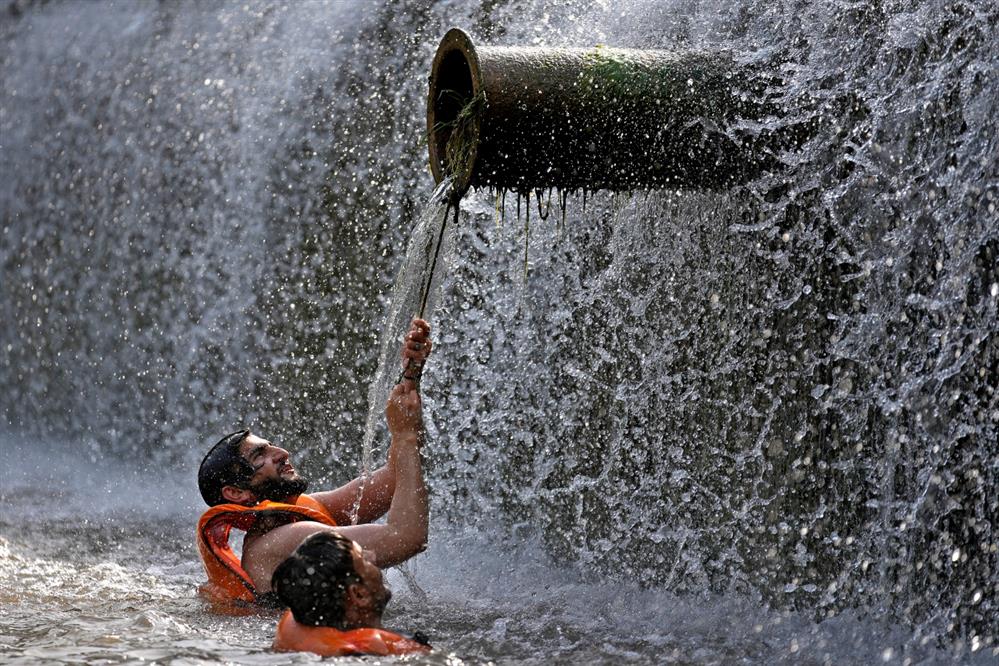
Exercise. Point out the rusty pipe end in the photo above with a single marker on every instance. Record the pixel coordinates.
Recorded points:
(455, 79)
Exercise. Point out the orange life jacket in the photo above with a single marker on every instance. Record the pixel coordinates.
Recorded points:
(330, 642)
(229, 588)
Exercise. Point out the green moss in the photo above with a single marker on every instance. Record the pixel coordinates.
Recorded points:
(462, 133)
(613, 73)
(464, 136)
(608, 68)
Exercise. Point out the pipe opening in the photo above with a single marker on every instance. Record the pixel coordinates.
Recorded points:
(530, 118)
(451, 91)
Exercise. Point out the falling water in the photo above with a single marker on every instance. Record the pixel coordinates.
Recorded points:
(417, 285)
(757, 425)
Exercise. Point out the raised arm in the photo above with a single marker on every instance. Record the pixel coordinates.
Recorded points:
(379, 488)
(405, 531)
(377, 497)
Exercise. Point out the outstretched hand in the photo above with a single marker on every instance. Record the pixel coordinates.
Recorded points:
(416, 348)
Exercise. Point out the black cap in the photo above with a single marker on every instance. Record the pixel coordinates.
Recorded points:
(223, 466)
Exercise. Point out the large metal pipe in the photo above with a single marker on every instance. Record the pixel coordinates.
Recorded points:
(589, 119)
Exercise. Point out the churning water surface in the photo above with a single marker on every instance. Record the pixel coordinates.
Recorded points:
(98, 565)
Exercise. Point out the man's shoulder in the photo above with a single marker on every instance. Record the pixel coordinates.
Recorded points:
(263, 552)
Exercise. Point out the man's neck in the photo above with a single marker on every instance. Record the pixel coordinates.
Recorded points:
(291, 499)
(359, 619)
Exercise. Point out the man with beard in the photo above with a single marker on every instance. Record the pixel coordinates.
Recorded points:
(250, 485)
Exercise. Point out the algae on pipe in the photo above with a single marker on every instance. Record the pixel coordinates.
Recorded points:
(599, 118)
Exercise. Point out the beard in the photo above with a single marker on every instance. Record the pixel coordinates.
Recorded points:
(383, 601)
(279, 490)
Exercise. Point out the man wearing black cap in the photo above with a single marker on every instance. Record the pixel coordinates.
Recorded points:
(251, 485)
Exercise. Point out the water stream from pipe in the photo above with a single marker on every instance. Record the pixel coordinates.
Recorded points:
(417, 285)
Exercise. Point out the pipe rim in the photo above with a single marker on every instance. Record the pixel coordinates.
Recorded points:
(455, 52)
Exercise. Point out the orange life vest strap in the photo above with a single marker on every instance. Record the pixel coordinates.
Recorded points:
(330, 642)
(229, 588)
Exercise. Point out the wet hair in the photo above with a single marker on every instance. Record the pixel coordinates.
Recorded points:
(313, 581)
(223, 466)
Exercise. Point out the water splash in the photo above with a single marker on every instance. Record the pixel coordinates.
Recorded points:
(417, 286)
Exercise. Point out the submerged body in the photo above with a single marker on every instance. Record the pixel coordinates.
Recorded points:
(336, 596)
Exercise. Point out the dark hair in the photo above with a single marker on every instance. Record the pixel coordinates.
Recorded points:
(313, 581)
(223, 466)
